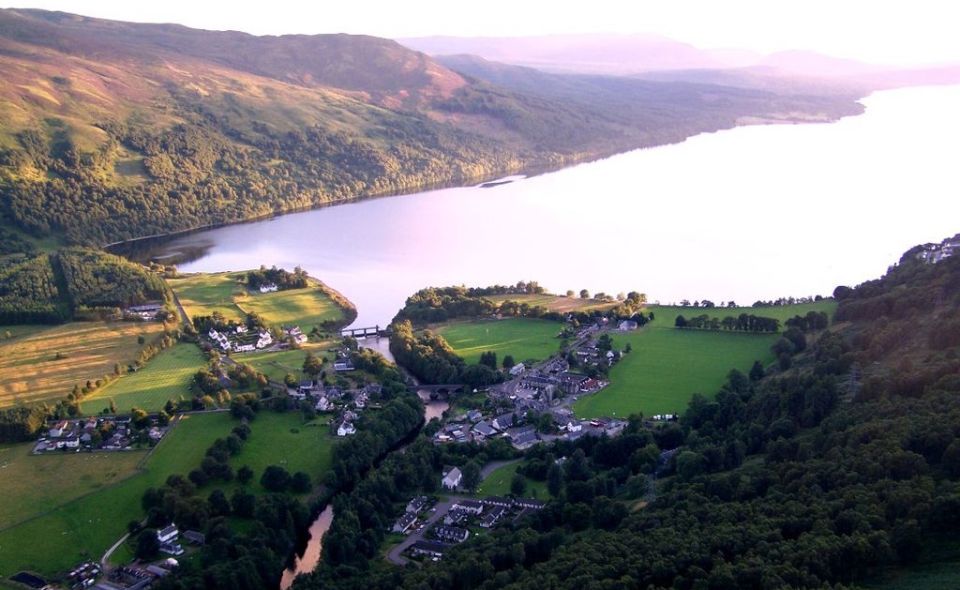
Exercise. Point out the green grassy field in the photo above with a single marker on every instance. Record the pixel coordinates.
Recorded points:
(203, 294)
(86, 527)
(498, 484)
(555, 302)
(523, 338)
(667, 366)
(276, 365)
(31, 484)
(45, 364)
(167, 376)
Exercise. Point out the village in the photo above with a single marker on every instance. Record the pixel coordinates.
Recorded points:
(101, 433)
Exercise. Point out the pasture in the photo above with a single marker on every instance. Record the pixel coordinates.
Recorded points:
(276, 365)
(45, 364)
(83, 528)
(667, 365)
(558, 303)
(204, 294)
(169, 375)
(498, 483)
(523, 338)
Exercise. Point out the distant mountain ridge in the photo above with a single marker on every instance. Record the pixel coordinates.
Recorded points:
(113, 130)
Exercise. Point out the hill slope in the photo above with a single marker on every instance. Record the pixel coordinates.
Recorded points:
(112, 130)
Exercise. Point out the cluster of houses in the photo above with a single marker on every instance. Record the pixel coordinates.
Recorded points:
(137, 577)
(169, 538)
(107, 433)
(269, 288)
(148, 312)
(934, 253)
(455, 526)
(295, 333)
(240, 339)
(348, 404)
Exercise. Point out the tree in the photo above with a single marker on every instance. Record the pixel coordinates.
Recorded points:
(638, 486)
(245, 474)
(508, 362)
(554, 480)
(757, 371)
(489, 359)
(312, 364)
(680, 322)
(300, 483)
(569, 293)
(148, 546)
(243, 503)
(584, 294)
(219, 505)
(518, 484)
(471, 475)
(275, 478)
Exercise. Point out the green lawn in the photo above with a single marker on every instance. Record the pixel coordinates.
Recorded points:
(276, 365)
(284, 440)
(167, 376)
(559, 303)
(523, 338)
(667, 366)
(86, 527)
(203, 294)
(498, 483)
(32, 484)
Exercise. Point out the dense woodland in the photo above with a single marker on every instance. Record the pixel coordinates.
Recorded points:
(821, 473)
(54, 288)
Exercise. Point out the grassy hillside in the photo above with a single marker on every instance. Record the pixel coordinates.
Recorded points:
(521, 337)
(114, 130)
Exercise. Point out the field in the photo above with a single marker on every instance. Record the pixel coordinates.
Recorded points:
(31, 485)
(498, 484)
(203, 294)
(46, 364)
(86, 527)
(276, 365)
(523, 338)
(167, 376)
(555, 302)
(667, 366)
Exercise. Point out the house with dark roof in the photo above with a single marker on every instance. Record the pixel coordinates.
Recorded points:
(492, 516)
(484, 429)
(522, 437)
(451, 534)
(470, 506)
(403, 524)
(417, 504)
(530, 503)
(497, 501)
(429, 549)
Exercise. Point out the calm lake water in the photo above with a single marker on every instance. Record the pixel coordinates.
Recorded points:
(750, 213)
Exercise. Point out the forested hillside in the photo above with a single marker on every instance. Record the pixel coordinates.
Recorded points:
(833, 471)
(113, 130)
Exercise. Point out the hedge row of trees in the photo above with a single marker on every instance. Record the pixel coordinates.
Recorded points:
(744, 322)
(428, 356)
(283, 279)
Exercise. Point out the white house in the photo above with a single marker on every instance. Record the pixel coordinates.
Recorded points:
(517, 370)
(323, 405)
(58, 429)
(268, 288)
(627, 325)
(574, 426)
(264, 340)
(346, 429)
(168, 534)
(452, 479)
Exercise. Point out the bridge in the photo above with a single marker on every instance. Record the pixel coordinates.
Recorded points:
(439, 391)
(362, 332)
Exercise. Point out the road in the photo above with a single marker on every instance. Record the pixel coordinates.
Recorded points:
(395, 555)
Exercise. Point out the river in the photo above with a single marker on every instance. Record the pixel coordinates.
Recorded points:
(751, 213)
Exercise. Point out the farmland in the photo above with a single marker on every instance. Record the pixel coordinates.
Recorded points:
(226, 293)
(85, 527)
(558, 303)
(167, 376)
(521, 337)
(667, 366)
(45, 364)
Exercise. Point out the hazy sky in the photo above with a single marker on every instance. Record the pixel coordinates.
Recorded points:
(881, 31)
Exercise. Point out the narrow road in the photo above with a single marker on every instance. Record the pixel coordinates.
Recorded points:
(105, 560)
(492, 466)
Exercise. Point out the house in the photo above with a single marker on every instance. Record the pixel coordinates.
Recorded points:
(306, 386)
(346, 429)
(517, 370)
(455, 516)
(483, 429)
(323, 405)
(474, 416)
(497, 501)
(572, 382)
(171, 548)
(529, 503)
(58, 429)
(417, 504)
(295, 334)
(468, 506)
(155, 434)
(452, 478)
(451, 534)
(504, 421)
(168, 534)
(492, 516)
(264, 339)
(269, 288)
(195, 537)
(627, 325)
(72, 443)
(574, 426)
(403, 524)
(522, 437)
(343, 365)
(429, 549)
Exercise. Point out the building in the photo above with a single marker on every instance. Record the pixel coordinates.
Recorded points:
(627, 325)
(346, 429)
(468, 506)
(522, 437)
(168, 534)
(417, 504)
(195, 537)
(572, 382)
(529, 503)
(429, 549)
(451, 534)
(504, 421)
(323, 405)
(403, 524)
(452, 478)
(483, 429)
(492, 516)
(497, 502)
(269, 288)
(474, 416)
(343, 365)
(295, 334)
(517, 370)
(59, 429)
(456, 516)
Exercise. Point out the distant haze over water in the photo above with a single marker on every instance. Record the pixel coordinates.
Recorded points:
(752, 213)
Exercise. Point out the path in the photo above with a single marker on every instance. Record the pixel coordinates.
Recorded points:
(492, 466)
(105, 560)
